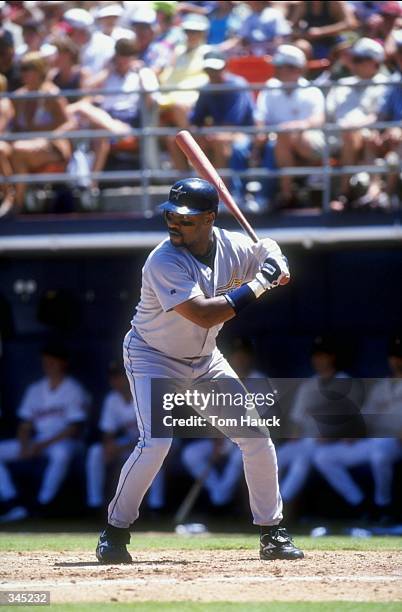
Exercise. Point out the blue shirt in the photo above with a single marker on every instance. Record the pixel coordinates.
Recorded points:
(225, 107)
(391, 109)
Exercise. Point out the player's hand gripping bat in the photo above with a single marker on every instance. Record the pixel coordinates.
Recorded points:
(205, 169)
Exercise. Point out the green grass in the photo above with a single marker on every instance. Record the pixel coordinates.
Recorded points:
(10, 541)
(222, 606)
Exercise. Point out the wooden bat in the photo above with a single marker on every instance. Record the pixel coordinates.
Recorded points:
(205, 169)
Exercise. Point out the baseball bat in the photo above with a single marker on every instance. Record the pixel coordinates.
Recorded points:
(188, 502)
(205, 169)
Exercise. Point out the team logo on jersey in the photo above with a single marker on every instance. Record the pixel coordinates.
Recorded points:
(232, 284)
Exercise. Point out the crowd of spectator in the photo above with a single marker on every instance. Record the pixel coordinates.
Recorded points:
(337, 62)
(56, 422)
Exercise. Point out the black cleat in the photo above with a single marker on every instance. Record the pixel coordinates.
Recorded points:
(276, 543)
(111, 546)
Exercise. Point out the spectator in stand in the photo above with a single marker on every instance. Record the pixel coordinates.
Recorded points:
(169, 33)
(40, 114)
(300, 110)
(156, 54)
(51, 414)
(321, 23)
(6, 114)
(96, 49)
(261, 32)
(227, 108)
(382, 23)
(340, 62)
(6, 109)
(68, 74)
(52, 11)
(7, 23)
(33, 34)
(122, 111)
(9, 67)
(186, 71)
(384, 417)
(390, 140)
(107, 19)
(357, 107)
(224, 22)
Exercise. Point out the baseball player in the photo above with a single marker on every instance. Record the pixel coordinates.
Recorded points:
(192, 282)
(296, 456)
(51, 413)
(384, 406)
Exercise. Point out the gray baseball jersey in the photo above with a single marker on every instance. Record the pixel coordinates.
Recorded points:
(172, 275)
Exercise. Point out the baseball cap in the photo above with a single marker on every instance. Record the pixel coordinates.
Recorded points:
(191, 196)
(78, 18)
(195, 23)
(143, 15)
(169, 7)
(398, 37)
(369, 48)
(289, 55)
(214, 61)
(112, 10)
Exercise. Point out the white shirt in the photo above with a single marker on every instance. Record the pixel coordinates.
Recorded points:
(97, 52)
(118, 414)
(278, 106)
(52, 410)
(144, 79)
(353, 104)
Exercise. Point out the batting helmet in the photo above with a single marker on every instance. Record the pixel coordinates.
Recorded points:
(191, 196)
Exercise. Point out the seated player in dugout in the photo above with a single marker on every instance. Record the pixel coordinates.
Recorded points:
(193, 282)
(52, 414)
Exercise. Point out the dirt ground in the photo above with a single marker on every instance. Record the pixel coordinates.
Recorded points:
(224, 575)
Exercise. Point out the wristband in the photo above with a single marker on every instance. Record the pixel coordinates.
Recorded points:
(241, 297)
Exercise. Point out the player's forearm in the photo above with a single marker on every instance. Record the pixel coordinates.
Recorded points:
(206, 312)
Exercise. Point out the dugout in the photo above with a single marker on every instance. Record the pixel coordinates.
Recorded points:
(350, 288)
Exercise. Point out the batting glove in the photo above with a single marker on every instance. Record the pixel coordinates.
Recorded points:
(273, 272)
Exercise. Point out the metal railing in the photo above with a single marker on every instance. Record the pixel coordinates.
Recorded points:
(149, 168)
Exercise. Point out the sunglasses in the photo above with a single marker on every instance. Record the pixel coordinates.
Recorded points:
(184, 220)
